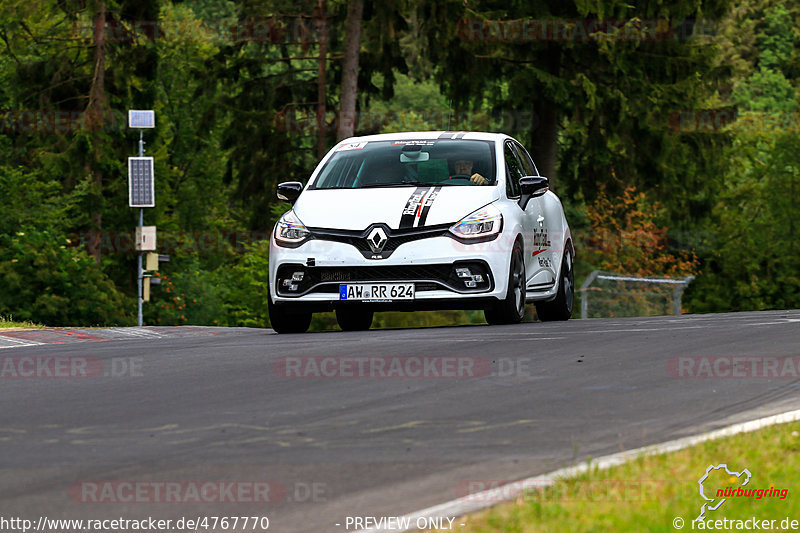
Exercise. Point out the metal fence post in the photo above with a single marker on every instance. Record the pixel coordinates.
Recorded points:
(584, 290)
(680, 285)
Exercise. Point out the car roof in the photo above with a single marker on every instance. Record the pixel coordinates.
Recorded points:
(420, 135)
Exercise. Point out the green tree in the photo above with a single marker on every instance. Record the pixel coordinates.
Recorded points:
(47, 280)
(592, 103)
(751, 261)
(768, 88)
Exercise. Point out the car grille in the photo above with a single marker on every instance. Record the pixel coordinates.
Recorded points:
(381, 273)
(395, 237)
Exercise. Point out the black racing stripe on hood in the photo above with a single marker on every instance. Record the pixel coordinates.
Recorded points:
(427, 207)
(410, 210)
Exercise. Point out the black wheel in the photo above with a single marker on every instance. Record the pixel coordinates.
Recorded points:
(560, 308)
(354, 319)
(512, 308)
(284, 319)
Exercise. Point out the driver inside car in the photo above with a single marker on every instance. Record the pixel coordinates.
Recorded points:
(463, 169)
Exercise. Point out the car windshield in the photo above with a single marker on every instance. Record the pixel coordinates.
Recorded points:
(407, 163)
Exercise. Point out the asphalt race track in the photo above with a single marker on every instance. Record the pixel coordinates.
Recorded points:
(310, 429)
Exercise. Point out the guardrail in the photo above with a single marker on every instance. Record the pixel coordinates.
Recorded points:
(677, 292)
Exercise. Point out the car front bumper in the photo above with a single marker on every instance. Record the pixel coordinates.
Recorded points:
(428, 263)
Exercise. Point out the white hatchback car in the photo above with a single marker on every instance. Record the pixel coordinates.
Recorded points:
(416, 221)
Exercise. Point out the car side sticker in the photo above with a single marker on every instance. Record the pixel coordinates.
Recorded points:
(541, 239)
(419, 203)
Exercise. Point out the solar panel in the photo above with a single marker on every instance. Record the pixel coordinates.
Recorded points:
(141, 119)
(141, 190)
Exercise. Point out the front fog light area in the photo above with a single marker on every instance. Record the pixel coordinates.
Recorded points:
(470, 277)
(292, 279)
(463, 273)
(474, 281)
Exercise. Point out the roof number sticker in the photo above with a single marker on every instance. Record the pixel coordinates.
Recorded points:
(351, 146)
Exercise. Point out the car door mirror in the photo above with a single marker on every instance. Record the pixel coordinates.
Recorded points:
(532, 187)
(289, 191)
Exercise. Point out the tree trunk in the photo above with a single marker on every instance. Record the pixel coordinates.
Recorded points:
(544, 139)
(347, 107)
(96, 116)
(321, 14)
(544, 133)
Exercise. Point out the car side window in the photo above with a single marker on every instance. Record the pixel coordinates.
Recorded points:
(513, 170)
(527, 162)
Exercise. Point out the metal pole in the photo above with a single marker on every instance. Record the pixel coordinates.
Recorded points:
(139, 277)
(139, 272)
(678, 294)
(584, 290)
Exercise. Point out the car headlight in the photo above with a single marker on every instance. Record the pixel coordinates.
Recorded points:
(289, 231)
(484, 223)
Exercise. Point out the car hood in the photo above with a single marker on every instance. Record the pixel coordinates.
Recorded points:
(357, 209)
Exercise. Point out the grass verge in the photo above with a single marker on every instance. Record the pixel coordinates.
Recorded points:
(656, 493)
(8, 322)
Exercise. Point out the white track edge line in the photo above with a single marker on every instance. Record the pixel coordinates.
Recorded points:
(19, 342)
(488, 498)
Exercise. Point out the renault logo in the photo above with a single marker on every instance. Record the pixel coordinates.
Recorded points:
(377, 240)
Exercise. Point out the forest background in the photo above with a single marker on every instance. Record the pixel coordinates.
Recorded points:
(670, 130)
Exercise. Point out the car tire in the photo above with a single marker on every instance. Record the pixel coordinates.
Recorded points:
(354, 319)
(560, 308)
(511, 310)
(285, 320)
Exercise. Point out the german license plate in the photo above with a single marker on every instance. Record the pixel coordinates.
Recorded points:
(371, 292)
